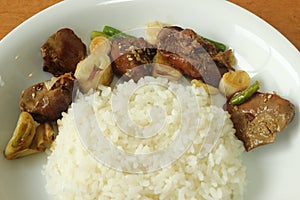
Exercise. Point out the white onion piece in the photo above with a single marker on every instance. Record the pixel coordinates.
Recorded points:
(51, 82)
(153, 28)
(94, 70)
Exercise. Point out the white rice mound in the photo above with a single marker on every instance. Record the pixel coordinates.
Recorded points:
(73, 173)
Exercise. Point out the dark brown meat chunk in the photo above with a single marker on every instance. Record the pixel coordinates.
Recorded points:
(184, 50)
(46, 103)
(131, 58)
(259, 119)
(62, 51)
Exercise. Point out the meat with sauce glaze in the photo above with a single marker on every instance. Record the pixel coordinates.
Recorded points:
(46, 101)
(62, 52)
(132, 58)
(259, 119)
(189, 53)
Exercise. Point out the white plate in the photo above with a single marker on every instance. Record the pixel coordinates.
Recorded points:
(273, 170)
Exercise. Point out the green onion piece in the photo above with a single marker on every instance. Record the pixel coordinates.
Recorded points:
(98, 33)
(245, 95)
(113, 32)
(218, 45)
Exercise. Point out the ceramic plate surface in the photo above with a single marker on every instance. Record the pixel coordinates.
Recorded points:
(272, 170)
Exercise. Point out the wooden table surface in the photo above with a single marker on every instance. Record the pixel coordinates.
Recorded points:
(283, 15)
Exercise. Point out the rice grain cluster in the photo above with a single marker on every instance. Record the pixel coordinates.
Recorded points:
(207, 169)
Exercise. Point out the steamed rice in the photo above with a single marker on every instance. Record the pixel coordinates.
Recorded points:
(72, 172)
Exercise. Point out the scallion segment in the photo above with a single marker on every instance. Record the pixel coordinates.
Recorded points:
(113, 32)
(218, 45)
(245, 95)
(97, 34)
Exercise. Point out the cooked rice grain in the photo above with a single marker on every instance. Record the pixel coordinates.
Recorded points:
(73, 173)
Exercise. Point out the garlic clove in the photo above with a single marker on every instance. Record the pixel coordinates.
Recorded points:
(233, 82)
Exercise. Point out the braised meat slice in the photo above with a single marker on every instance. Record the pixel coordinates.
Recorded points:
(184, 50)
(131, 57)
(62, 51)
(259, 119)
(46, 101)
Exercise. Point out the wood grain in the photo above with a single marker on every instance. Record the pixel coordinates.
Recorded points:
(283, 15)
(14, 12)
